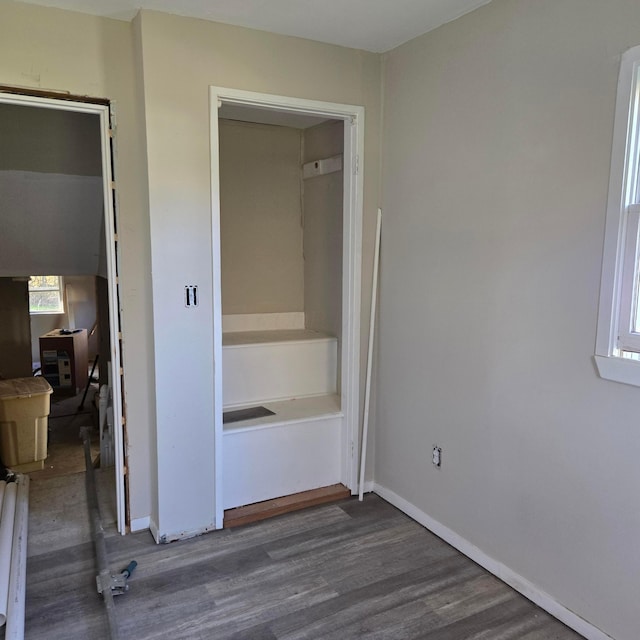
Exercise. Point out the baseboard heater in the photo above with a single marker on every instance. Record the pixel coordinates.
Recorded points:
(238, 415)
(14, 518)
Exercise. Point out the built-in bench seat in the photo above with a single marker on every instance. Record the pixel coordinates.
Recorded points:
(299, 448)
(261, 366)
(293, 373)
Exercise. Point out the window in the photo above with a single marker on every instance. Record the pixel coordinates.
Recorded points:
(618, 338)
(45, 294)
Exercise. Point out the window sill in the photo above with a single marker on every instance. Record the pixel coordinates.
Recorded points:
(618, 369)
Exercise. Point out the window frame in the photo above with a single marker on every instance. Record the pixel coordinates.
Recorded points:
(59, 289)
(617, 353)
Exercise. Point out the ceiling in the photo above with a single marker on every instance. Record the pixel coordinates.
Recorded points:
(373, 25)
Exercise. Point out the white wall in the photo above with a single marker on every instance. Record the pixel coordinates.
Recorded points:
(196, 54)
(497, 143)
(52, 224)
(49, 141)
(260, 218)
(85, 55)
(52, 204)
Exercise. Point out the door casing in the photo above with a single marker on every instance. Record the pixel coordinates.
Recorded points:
(103, 112)
(353, 118)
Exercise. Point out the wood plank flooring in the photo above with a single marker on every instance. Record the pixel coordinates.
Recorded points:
(334, 572)
(65, 453)
(269, 508)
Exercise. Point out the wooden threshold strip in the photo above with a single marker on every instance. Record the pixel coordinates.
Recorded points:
(269, 508)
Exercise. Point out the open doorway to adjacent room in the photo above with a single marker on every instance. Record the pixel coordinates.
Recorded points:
(58, 281)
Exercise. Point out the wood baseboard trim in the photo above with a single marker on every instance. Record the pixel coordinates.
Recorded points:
(278, 506)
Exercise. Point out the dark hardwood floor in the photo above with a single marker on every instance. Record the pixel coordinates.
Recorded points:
(334, 572)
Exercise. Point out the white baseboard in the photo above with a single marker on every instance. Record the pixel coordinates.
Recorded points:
(165, 538)
(153, 528)
(140, 524)
(369, 486)
(510, 577)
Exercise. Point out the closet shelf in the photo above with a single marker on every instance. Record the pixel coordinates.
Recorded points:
(242, 338)
(285, 412)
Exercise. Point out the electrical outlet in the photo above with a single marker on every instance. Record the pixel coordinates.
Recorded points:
(436, 456)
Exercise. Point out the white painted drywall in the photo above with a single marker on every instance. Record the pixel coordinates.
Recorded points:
(196, 54)
(51, 210)
(323, 232)
(260, 218)
(49, 141)
(498, 132)
(61, 50)
(268, 371)
(50, 224)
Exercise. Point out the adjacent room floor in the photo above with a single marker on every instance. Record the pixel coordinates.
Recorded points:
(334, 572)
(65, 453)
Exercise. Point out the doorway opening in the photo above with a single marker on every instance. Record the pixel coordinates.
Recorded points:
(287, 220)
(58, 213)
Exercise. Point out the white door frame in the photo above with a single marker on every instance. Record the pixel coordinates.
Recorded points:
(353, 117)
(109, 218)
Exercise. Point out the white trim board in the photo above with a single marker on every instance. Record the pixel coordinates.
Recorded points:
(140, 524)
(504, 573)
(271, 371)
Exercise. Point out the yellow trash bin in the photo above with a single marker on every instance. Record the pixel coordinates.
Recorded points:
(24, 413)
